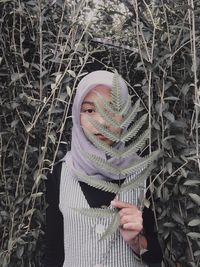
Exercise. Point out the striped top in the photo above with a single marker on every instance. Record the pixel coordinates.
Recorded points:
(82, 235)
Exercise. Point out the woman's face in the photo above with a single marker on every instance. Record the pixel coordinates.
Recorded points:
(88, 110)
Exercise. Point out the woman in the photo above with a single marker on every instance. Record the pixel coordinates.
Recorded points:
(73, 240)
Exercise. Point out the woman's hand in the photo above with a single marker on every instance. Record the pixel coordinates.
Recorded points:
(131, 224)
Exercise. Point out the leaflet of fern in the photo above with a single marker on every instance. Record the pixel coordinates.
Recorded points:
(135, 146)
(99, 184)
(135, 183)
(106, 132)
(132, 132)
(109, 150)
(107, 116)
(126, 106)
(101, 162)
(116, 93)
(96, 212)
(132, 148)
(129, 118)
(112, 227)
(140, 164)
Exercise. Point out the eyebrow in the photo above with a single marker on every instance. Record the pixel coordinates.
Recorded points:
(88, 102)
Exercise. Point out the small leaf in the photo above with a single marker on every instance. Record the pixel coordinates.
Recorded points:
(194, 235)
(20, 251)
(169, 116)
(29, 212)
(72, 73)
(16, 76)
(177, 218)
(14, 123)
(197, 253)
(192, 182)
(58, 77)
(69, 91)
(169, 167)
(194, 222)
(169, 224)
(52, 138)
(183, 172)
(39, 194)
(185, 89)
(28, 128)
(195, 198)
(172, 98)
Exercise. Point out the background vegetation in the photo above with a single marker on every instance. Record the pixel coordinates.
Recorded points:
(45, 49)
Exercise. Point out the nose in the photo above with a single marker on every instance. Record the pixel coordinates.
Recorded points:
(102, 121)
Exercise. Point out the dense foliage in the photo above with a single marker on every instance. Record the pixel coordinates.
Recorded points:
(45, 48)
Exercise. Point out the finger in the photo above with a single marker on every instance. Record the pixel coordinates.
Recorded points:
(133, 226)
(131, 219)
(130, 211)
(120, 204)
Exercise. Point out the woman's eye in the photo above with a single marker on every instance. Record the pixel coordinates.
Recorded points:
(89, 110)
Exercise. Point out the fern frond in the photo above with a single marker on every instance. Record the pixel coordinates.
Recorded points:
(133, 129)
(135, 183)
(101, 163)
(116, 93)
(131, 116)
(95, 212)
(106, 132)
(134, 147)
(99, 184)
(140, 164)
(109, 150)
(112, 227)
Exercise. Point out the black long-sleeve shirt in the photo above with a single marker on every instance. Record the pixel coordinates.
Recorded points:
(54, 235)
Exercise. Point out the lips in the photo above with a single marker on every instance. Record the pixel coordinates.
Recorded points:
(101, 136)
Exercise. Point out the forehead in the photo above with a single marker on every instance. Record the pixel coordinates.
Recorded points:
(103, 90)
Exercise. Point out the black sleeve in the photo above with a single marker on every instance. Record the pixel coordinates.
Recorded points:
(153, 256)
(54, 241)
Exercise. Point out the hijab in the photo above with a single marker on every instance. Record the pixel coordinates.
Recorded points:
(76, 160)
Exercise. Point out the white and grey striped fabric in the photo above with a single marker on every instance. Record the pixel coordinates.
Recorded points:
(82, 244)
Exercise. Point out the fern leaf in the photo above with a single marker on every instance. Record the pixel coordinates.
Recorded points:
(95, 212)
(140, 164)
(101, 163)
(106, 132)
(116, 93)
(133, 129)
(99, 184)
(109, 150)
(112, 227)
(131, 115)
(137, 145)
(135, 183)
